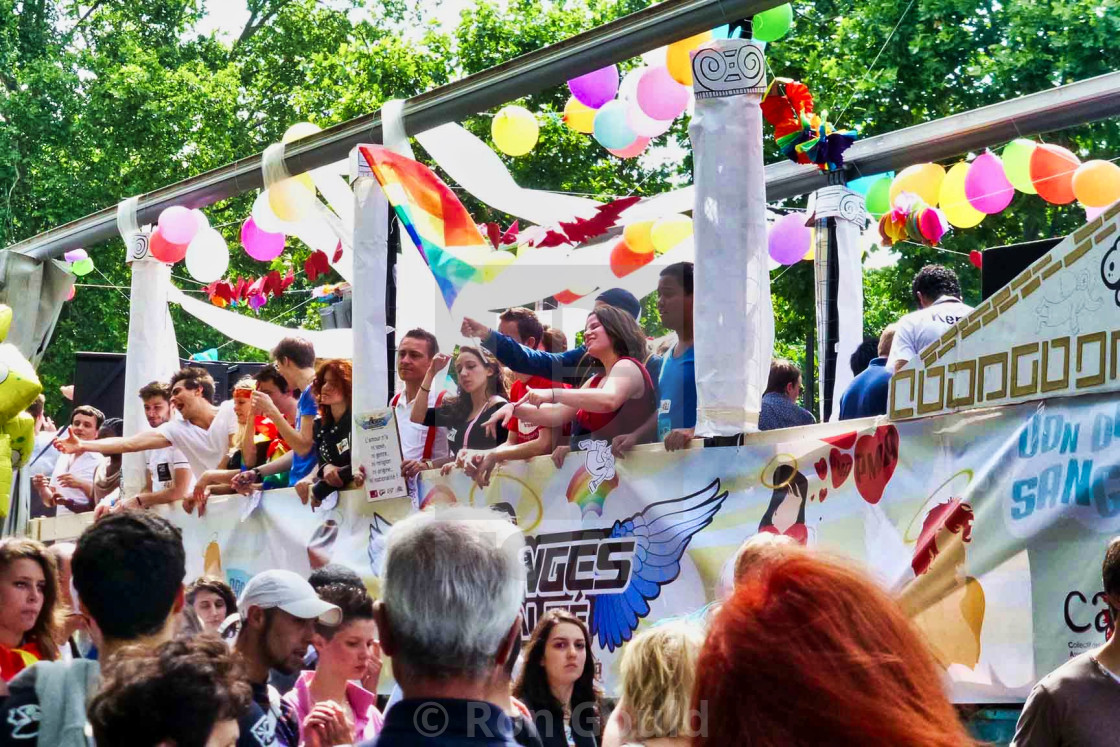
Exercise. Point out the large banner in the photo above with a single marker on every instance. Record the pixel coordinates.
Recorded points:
(990, 526)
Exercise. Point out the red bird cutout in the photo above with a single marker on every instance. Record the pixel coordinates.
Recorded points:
(582, 230)
(316, 265)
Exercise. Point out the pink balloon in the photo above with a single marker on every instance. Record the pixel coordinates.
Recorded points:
(986, 186)
(595, 88)
(261, 245)
(932, 225)
(660, 96)
(178, 225)
(789, 239)
(632, 150)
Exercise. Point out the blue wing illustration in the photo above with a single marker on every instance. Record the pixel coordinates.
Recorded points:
(662, 533)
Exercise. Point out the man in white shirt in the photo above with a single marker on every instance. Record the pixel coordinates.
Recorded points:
(204, 435)
(420, 444)
(70, 486)
(44, 456)
(169, 477)
(938, 294)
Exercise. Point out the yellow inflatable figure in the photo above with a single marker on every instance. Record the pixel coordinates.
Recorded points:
(21, 430)
(19, 386)
(5, 321)
(5, 474)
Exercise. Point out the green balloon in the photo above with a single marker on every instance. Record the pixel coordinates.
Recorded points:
(82, 267)
(879, 197)
(1016, 159)
(771, 25)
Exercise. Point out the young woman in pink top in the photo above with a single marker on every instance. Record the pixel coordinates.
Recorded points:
(346, 654)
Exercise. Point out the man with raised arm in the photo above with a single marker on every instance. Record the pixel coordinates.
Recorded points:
(204, 435)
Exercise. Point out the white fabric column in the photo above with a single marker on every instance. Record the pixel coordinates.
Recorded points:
(152, 353)
(371, 243)
(850, 217)
(734, 318)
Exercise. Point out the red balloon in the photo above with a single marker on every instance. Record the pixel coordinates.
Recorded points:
(1052, 169)
(977, 259)
(164, 250)
(625, 260)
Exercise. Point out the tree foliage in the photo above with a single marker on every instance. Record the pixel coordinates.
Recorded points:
(104, 100)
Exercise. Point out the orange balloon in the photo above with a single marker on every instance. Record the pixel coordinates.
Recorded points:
(1097, 183)
(1052, 169)
(625, 260)
(679, 59)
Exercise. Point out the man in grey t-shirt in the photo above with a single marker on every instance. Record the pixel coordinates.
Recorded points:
(1079, 702)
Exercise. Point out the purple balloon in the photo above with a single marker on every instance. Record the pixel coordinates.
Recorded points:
(986, 186)
(789, 239)
(261, 245)
(595, 88)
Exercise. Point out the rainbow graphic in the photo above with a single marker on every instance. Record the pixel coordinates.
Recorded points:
(580, 493)
(439, 225)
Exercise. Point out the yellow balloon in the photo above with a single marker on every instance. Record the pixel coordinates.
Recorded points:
(638, 238)
(579, 117)
(291, 200)
(678, 60)
(514, 130)
(958, 210)
(298, 130)
(668, 232)
(495, 263)
(923, 179)
(811, 255)
(1095, 183)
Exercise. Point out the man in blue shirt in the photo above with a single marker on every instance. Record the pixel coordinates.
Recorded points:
(572, 367)
(867, 394)
(295, 359)
(450, 619)
(779, 401)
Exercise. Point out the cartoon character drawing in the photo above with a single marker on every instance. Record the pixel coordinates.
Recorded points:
(1064, 302)
(600, 462)
(786, 513)
(1110, 269)
(662, 533)
(378, 528)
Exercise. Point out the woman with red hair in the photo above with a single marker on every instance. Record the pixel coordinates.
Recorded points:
(333, 387)
(809, 651)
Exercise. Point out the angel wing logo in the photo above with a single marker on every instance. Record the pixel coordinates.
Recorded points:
(378, 528)
(661, 534)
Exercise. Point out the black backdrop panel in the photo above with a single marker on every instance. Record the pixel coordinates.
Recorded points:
(1003, 263)
(99, 379)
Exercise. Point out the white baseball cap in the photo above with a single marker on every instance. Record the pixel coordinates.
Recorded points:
(290, 592)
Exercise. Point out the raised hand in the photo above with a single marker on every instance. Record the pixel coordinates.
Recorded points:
(471, 328)
(439, 363)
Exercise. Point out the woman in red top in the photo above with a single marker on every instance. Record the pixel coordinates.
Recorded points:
(28, 603)
(618, 401)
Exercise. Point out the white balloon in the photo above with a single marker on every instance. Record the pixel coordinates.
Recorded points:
(628, 88)
(267, 220)
(207, 256)
(203, 221)
(656, 57)
(641, 123)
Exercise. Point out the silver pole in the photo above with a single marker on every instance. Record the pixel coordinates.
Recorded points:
(551, 66)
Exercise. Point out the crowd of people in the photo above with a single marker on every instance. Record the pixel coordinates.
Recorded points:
(803, 649)
(518, 394)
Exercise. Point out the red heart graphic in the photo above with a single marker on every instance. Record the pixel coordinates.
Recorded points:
(822, 468)
(824, 494)
(841, 464)
(843, 442)
(876, 458)
(976, 258)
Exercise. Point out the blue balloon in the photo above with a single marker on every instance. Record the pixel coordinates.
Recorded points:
(720, 32)
(612, 128)
(864, 183)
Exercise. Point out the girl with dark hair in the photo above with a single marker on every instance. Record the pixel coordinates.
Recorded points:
(613, 403)
(212, 601)
(810, 651)
(786, 513)
(334, 390)
(482, 392)
(29, 613)
(347, 653)
(557, 682)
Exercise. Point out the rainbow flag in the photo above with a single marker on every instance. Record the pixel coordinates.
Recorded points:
(439, 225)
